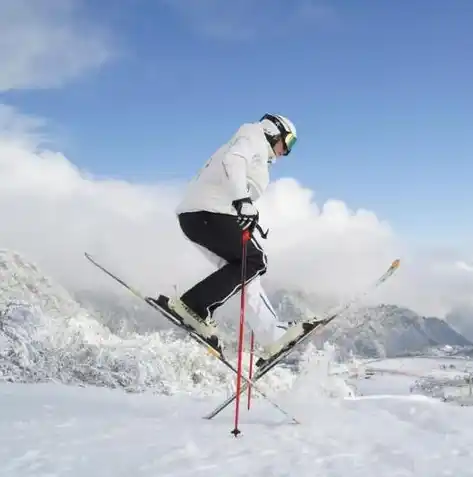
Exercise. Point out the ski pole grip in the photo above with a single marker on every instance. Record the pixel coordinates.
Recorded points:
(246, 236)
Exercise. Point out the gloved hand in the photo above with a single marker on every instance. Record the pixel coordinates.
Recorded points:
(248, 214)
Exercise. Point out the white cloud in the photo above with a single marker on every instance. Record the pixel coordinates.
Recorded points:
(52, 212)
(44, 43)
(464, 266)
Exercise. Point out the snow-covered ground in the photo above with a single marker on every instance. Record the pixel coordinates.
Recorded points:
(78, 400)
(58, 430)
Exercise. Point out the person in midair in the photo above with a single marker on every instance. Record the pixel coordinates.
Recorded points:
(215, 210)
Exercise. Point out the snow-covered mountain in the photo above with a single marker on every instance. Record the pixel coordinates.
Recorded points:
(388, 331)
(379, 331)
(114, 340)
(45, 334)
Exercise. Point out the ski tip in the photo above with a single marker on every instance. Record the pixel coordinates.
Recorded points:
(90, 258)
(396, 263)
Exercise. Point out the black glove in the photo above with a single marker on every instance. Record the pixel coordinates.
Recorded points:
(248, 214)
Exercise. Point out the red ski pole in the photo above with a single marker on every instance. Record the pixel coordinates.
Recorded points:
(245, 238)
(252, 347)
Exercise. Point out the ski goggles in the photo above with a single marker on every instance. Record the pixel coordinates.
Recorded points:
(289, 141)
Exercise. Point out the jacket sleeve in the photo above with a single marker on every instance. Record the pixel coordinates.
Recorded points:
(235, 164)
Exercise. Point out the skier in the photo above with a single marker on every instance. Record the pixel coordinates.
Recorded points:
(217, 207)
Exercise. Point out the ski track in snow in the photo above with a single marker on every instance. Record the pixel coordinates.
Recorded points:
(56, 430)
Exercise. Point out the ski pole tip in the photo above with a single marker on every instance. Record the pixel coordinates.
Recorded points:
(396, 263)
(236, 432)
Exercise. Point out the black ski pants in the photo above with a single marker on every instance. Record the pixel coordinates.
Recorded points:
(220, 234)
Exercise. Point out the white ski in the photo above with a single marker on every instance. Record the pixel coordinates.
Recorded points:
(317, 325)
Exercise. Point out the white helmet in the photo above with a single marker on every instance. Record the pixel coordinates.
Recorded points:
(279, 127)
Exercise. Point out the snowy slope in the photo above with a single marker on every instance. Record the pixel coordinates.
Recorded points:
(350, 425)
(68, 431)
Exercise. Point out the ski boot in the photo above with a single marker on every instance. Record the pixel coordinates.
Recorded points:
(206, 328)
(294, 331)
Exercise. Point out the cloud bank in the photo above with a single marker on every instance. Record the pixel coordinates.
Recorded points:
(52, 212)
(44, 43)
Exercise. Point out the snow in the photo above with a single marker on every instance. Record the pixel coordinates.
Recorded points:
(58, 430)
(45, 335)
(77, 399)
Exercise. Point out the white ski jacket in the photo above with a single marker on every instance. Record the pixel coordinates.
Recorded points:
(236, 170)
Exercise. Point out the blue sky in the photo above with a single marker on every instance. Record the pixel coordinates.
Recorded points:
(380, 91)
